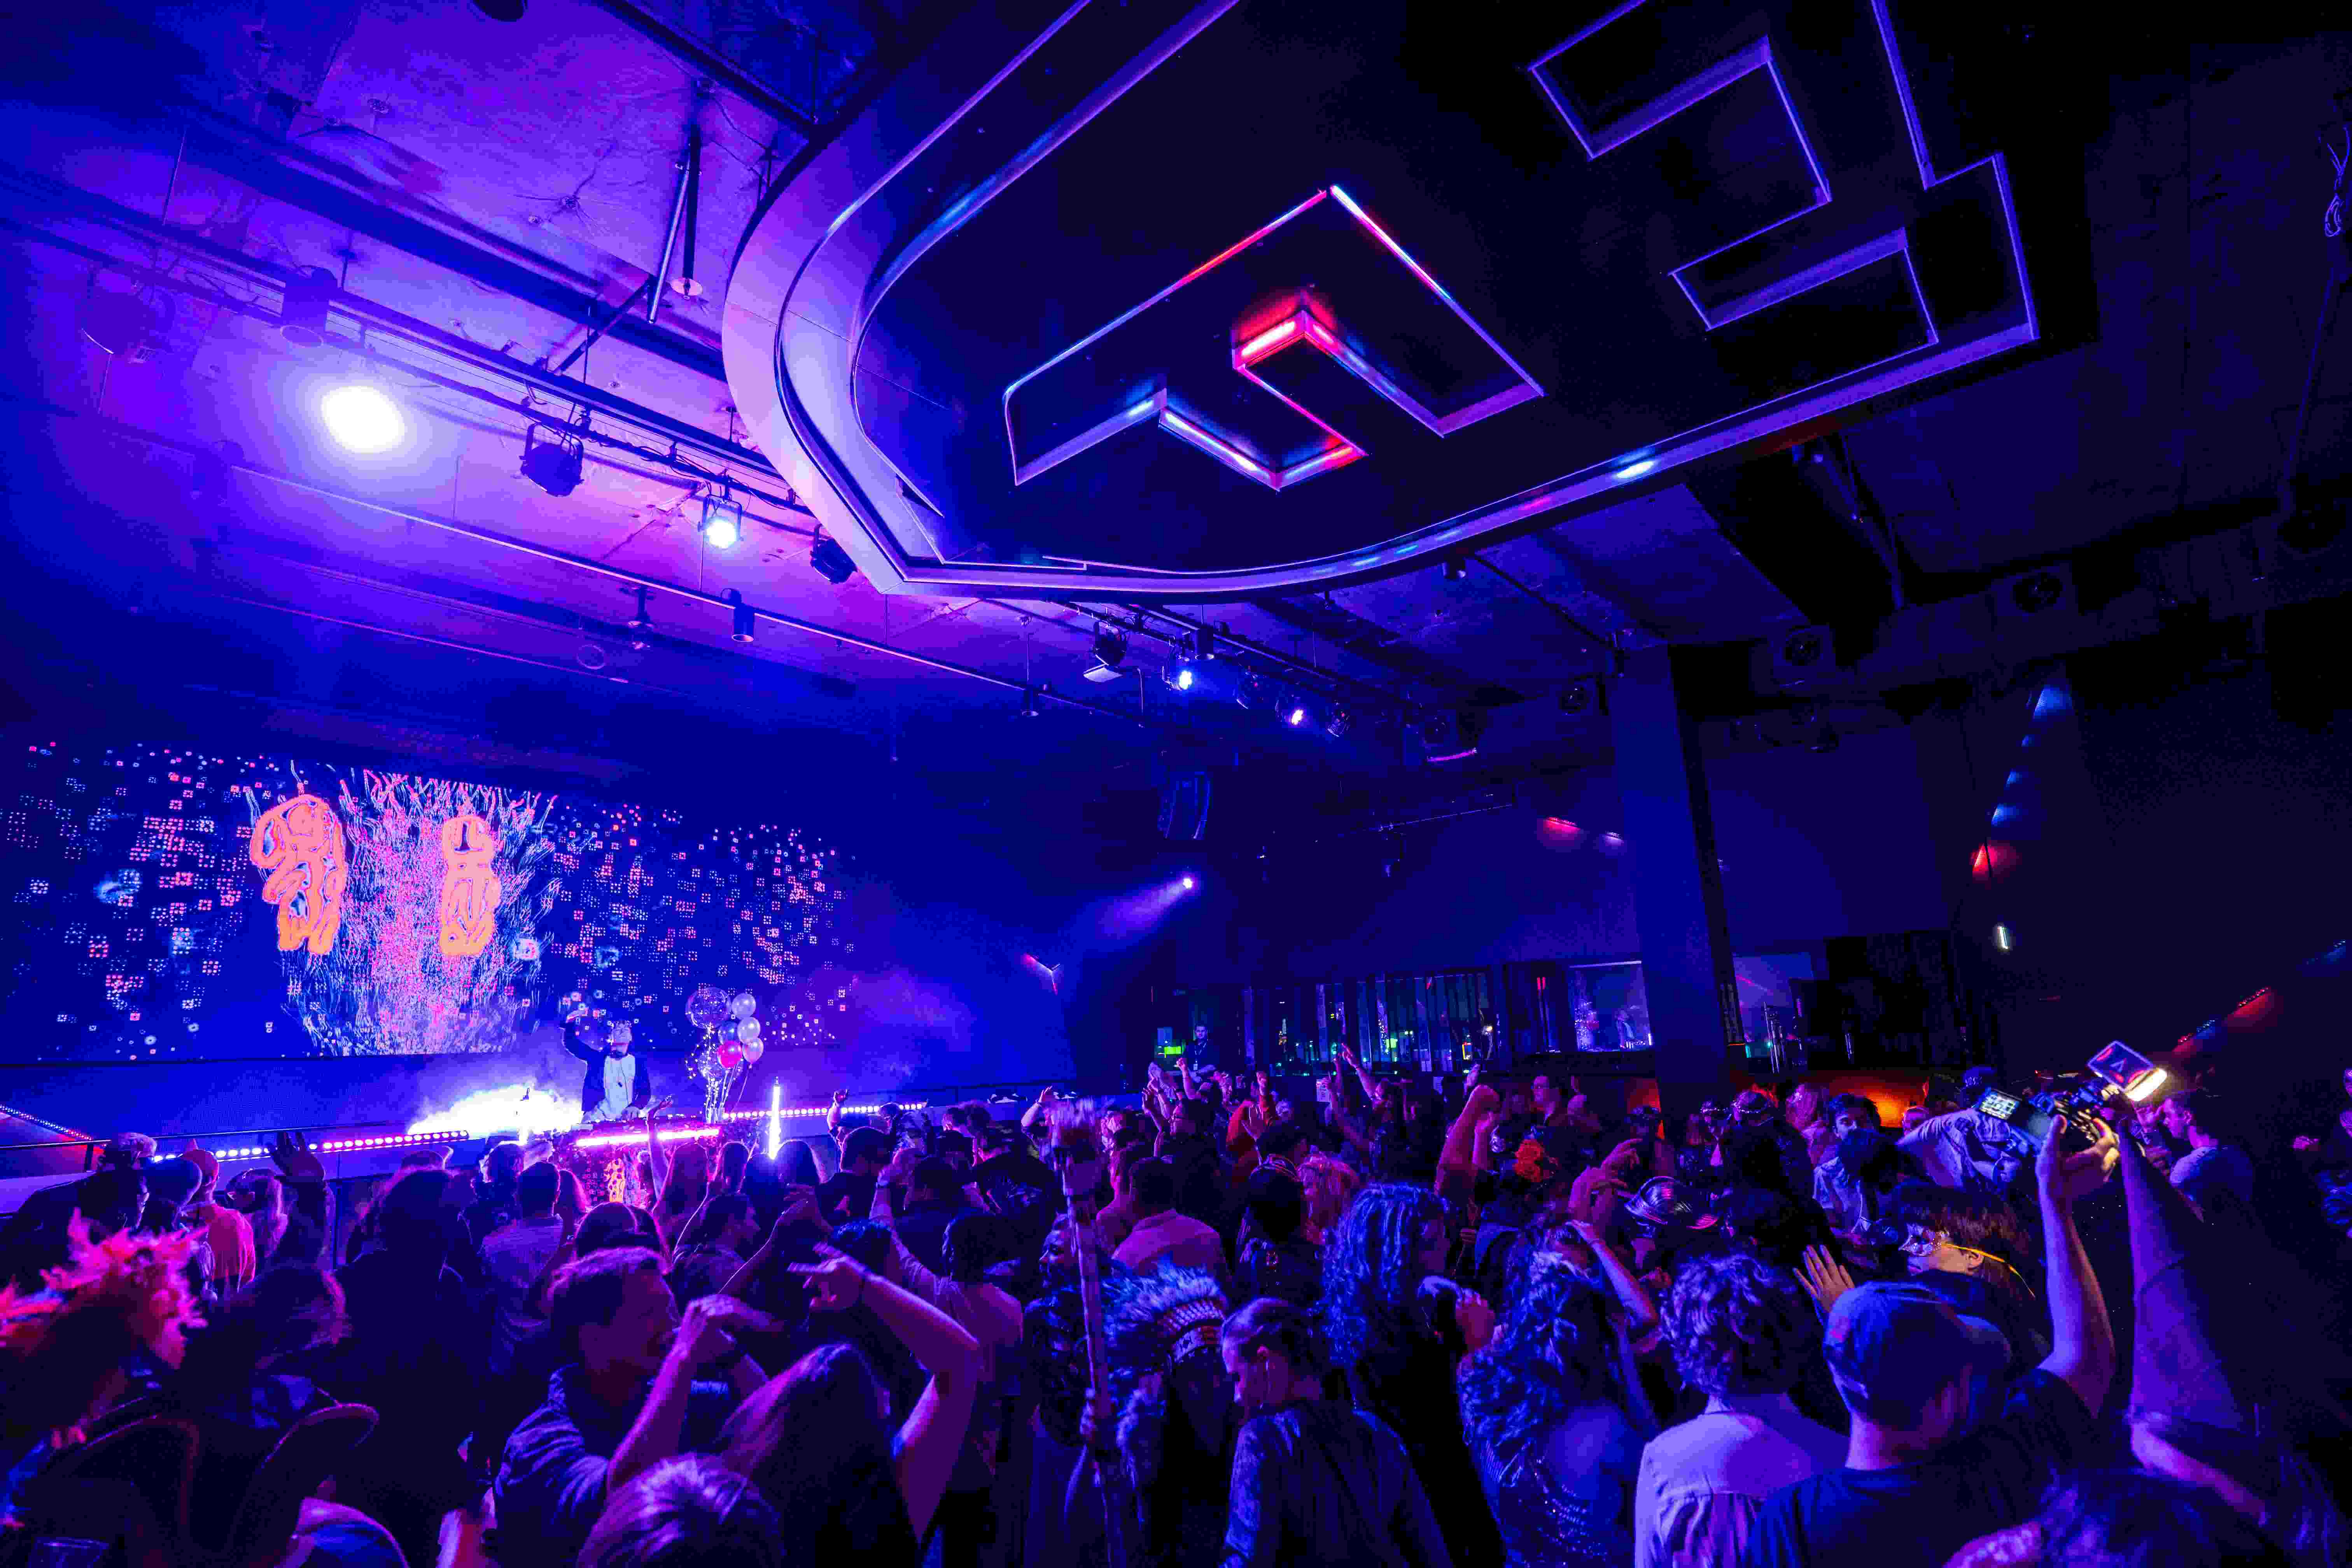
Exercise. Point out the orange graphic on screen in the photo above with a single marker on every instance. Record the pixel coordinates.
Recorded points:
(300, 845)
(469, 893)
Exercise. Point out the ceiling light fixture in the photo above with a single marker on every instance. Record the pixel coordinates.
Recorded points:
(1028, 703)
(640, 625)
(831, 561)
(362, 420)
(1204, 644)
(1110, 646)
(302, 312)
(1454, 568)
(553, 462)
(744, 619)
(722, 519)
(1183, 678)
(1336, 725)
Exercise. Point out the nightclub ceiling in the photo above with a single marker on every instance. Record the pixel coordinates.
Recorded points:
(1423, 358)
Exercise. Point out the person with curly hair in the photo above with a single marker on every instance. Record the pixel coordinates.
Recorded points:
(1555, 1457)
(687, 1511)
(1741, 1330)
(1313, 1481)
(1395, 1357)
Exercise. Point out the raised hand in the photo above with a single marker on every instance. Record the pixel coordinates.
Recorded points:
(1474, 1318)
(290, 1152)
(2063, 1178)
(1824, 1278)
(836, 1283)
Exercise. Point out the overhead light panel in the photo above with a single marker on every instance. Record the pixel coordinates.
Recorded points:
(722, 521)
(831, 561)
(553, 462)
(742, 614)
(362, 420)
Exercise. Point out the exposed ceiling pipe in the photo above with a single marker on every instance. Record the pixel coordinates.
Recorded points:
(47, 195)
(689, 178)
(693, 51)
(558, 557)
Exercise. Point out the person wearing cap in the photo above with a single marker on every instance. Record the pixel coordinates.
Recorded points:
(1916, 1485)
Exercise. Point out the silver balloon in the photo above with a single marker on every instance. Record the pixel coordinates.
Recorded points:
(744, 1005)
(706, 1009)
(747, 1030)
(752, 1048)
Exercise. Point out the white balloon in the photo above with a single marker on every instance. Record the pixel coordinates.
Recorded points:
(747, 1030)
(744, 1005)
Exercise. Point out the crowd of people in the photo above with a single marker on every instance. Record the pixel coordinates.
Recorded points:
(1224, 1327)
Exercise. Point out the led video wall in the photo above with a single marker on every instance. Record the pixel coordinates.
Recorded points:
(165, 904)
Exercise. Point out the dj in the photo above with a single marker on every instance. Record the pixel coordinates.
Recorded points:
(617, 1082)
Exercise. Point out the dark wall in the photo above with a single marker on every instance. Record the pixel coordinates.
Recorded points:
(1814, 845)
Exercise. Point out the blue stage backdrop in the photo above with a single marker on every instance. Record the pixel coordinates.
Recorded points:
(167, 905)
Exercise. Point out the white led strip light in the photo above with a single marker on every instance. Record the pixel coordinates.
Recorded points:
(595, 1140)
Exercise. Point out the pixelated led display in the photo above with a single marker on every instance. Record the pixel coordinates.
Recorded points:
(165, 904)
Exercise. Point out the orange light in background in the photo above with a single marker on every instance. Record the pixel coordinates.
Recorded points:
(469, 892)
(299, 843)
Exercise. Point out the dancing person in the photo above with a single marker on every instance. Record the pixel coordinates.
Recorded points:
(1277, 1259)
(714, 1247)
(848, 1193)
(628, 1395)
(814, 1441)
(1964, 1147)
(1160, 1231)
(1395, 1360)
(687, 1511)
(1918, 1484)
(1741, 1331)
(1556, 1460)
(616, 1082)
(1312, 1479)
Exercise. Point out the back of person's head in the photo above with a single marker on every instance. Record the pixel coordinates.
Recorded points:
(607, 1225)
(503, 1162)
(1435, 1298)
(1738, 1326)
(590, 1288)
(717, 1214)
(1752, 1158)
(536, 1188)
(935, 1178)
(291, 1308)
(111, 1198)
(1549, 1354)
(2289, 1466)
(1196, 1116)
(867, 1243)
(687, 1511)
(410, 1214)
(2129, 1519)
(952, 1145)
(796, 1163)
(1282, 1141)
(1151, 1185)
(814, 1442)
(734, 1158)
(864, 1144)
(1372, 1269)
(1277, 1204)
(976, 1242)
(1860, 1108)
(431, 1159)
(1903, 1359)
(998, 1138)
(1291, 1333)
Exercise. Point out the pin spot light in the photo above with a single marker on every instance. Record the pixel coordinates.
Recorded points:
(1111, 646)
(744, 619)
(1188, 884)
(1184, 678)
(640, 625)
(830, 562)
(1336, 725)
(362, 420)
(722, 521)
(554, 462)
(1029, 704)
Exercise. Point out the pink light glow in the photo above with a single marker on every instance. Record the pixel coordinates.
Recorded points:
(1267, 339)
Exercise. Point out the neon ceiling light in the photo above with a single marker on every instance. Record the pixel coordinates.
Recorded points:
(1299, 327)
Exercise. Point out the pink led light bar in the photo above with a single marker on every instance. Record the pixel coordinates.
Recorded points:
(1299, 326)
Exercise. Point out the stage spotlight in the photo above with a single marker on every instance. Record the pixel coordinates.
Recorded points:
(831, 561)
(1183, 678)
(362, 420)
(1292, 710)
(1187, 884)
(1248, 690)
(1337, 725)
(640, 625)
(743, 617)
(302, 313)
(553, 463)
(722, 521)
(1204, 644)
(1111, 646)
(1454, 568)
(1029, 704)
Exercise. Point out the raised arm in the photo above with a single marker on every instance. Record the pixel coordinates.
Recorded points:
(2083, 1341)
(933, 1432)
(1457, 1163)
(1042, 1106)
(578, 1046)
(1640, 1307)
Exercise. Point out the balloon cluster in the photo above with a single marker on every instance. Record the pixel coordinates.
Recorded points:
(730, 1040)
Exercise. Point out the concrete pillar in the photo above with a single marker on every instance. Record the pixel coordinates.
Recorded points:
(1677, 883)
